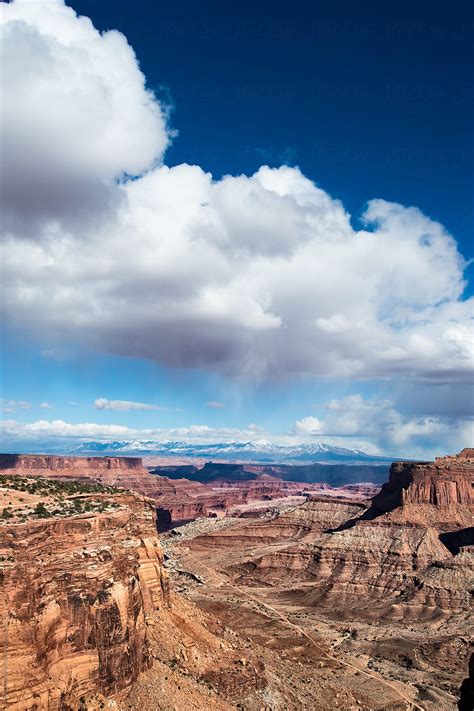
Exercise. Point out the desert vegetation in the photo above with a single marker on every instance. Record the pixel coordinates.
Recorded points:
(46, 498)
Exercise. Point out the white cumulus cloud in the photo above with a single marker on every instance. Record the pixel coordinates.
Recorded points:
(260, 276)
(47, 431)
(308, 426)
(75, 117)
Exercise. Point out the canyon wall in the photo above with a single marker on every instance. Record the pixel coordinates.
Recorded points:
(35, 463)
(126, 472)
(331, 474)
(177, 499)
(76, 595)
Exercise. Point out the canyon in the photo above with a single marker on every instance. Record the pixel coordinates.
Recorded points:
(389, 582)
(179, 499)
(331, 474)
(279, 595)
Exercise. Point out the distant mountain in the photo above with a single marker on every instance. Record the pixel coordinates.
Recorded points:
(259, 452)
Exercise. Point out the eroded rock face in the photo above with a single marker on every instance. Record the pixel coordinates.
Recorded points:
(410, 554)
(177, 499)
(407, 556)
(126, 472)
(32, 462)
(332, 474)
(445, 483)
(76, 594)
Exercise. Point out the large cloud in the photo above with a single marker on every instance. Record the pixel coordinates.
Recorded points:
(380, 422)
(258, 276)
(353, 422)
(75, 117)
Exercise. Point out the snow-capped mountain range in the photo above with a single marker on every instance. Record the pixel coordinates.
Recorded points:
(259, 451)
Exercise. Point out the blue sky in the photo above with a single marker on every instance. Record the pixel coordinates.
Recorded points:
(260, 306)
(369, 101)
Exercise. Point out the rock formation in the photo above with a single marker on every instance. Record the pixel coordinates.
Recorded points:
(88, 620)
(442, 490)
(85, 598)
(76, 594)
(409, 554)
(181, 499)
(395, 576)
(177, 499)
(333, 474)
(125, 472)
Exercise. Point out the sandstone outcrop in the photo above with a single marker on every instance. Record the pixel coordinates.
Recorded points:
(88, 620)
(302, 525)
(76, 595)
(180, 499)
(125, 472)
(391, 579)
(442, 491)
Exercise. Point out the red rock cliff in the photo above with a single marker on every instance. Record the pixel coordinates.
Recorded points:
(75, 597)
(446, 482)
(32, 462)
(179, 499)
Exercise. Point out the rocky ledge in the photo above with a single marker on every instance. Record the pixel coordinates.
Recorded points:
(175, 499)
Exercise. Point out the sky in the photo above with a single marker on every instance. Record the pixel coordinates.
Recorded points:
(228, 222)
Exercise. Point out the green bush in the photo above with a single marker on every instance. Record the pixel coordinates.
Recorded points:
(40, 510)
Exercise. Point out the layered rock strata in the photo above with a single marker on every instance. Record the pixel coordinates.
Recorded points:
(332, 474)
(177, 499)
(407, 556)
(125, 472)
(442, 491)
(75, 598)
(181, 499)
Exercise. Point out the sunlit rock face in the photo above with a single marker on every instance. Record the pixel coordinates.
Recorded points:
(76, 595)
(445, 483)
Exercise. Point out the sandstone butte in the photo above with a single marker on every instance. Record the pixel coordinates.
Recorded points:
(81, 593)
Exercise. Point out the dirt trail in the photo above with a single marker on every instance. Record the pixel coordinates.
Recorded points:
(223, 581)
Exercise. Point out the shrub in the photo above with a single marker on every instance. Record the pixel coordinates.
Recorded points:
(40, 510)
